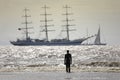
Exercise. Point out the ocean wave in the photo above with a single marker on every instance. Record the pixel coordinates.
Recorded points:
(49, 56)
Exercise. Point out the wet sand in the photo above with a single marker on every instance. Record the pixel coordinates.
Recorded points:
(60, 69)
(59, 76)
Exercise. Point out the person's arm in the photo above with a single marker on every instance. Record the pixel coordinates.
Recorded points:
(70, 59)
(65, 60)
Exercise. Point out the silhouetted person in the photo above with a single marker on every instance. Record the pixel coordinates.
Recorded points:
(68, 61)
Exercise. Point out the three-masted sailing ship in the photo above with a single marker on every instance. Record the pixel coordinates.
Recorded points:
(65, 41)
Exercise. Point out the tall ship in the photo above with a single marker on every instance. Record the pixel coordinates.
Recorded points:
(28, 41)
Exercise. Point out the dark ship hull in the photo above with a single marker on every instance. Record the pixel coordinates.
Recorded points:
(47, 43)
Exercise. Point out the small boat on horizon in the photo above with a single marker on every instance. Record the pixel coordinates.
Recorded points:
(98, 38)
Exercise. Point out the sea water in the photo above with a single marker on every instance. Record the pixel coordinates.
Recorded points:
(37, 58)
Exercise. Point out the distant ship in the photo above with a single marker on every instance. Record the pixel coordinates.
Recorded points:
(28, 41)
(98, 38)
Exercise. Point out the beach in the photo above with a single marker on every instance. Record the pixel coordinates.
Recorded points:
(59, 76)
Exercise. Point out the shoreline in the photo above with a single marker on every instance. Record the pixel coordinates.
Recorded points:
(61, 69)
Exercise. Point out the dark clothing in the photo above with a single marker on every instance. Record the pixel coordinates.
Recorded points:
(68, 68)
(68, 61)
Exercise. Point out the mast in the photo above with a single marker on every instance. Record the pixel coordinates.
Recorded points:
(46, 22)
(26, 24)
(67, 22)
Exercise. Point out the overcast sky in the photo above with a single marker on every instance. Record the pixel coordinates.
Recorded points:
(87, 14)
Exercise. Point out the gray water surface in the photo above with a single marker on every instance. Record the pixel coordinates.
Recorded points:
(59, 76)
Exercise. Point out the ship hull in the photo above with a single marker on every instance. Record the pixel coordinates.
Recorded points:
(45, 43)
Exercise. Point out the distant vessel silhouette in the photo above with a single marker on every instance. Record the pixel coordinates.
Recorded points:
(65, 41)
(98, 38)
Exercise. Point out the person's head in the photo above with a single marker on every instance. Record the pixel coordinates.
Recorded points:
(67, 51)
